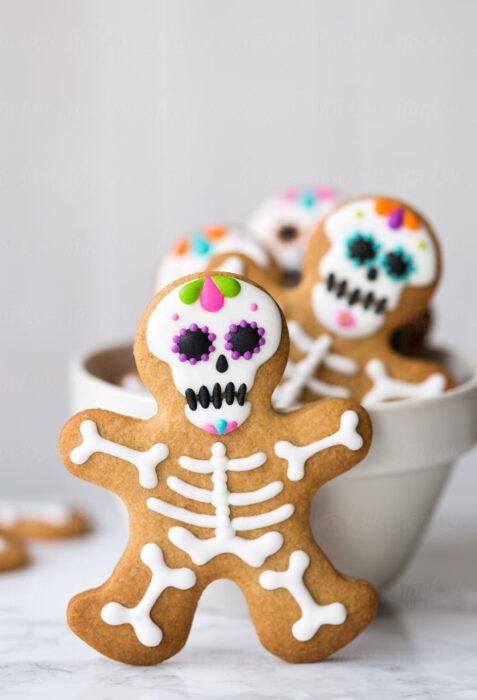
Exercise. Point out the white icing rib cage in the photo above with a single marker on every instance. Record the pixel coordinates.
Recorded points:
(225, 540)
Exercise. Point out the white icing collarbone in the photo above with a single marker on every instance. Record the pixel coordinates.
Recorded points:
(301, 375)
(386, 388)
(313, 615)
(145, 462)
(296, 456)
(225, 541)
(139, 617)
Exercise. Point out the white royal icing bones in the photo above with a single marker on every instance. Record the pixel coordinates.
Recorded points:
(139, 617)
(386, 388)
(301, 374)
(12, 512)
(145, 462)
(253, 552)
(313, 616)
(296, 456)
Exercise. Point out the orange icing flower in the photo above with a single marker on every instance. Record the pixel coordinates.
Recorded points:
(397, 214)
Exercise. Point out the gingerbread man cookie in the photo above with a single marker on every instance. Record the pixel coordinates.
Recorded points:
(218, 484)
(371, 266)
(284, 223)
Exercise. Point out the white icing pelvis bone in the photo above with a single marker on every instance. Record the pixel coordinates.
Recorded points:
(217, 484)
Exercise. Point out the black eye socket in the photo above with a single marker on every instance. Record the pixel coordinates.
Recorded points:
(244, 339)
(193, 344)
(398, 264)
(362, 248)
(287, 233)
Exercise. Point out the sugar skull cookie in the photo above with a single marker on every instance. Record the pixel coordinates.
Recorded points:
(192, 253)
(285, 222)
(371, 267)
(218, 484)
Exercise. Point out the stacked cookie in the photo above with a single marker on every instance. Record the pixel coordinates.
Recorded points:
(354, 279)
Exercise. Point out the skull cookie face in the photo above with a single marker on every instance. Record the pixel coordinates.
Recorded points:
(285, 222)
(215, 333)
(193, 252)
(378, 249)
(371, 266)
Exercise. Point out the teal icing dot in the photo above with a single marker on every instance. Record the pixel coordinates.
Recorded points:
(200, 245)
(308, 200)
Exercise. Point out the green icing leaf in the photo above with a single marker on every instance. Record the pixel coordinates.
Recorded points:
(227, 285)
(190, 292)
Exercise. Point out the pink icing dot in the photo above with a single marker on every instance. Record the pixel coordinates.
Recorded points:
(345, 319)
(175, 317)
(324, 192)
(290, 195)
(253, 307)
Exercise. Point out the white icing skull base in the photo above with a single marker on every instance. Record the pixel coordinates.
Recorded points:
(214, 361)
(377, 250)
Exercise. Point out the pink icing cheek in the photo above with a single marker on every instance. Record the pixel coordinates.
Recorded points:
(345, 319)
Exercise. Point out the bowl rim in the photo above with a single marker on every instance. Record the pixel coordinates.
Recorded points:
(78, 363)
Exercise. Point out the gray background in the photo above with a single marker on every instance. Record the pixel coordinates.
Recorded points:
(124, 124)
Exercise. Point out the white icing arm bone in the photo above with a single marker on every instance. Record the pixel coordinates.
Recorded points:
(301, 374)
(145, 462)
(139, 617)
(296, 456)
(312, 614)
(386, 388)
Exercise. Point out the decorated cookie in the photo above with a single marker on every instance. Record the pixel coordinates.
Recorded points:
(285, 222)
(41, 519)
(218, 484)
(192, 253)
(12, 554)
(371, 267)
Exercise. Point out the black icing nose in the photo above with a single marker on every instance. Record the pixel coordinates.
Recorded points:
(372, 274)
(221, 365)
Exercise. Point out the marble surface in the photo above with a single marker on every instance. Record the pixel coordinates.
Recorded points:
(423, 643)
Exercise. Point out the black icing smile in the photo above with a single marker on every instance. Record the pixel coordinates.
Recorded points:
(355, 296)
(217, 396)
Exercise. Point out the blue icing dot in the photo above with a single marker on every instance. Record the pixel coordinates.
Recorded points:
(200, 245)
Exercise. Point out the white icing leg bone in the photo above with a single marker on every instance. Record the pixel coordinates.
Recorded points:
(147, 632)
(296, 456)
(145, 462)
(301, 374)
(313, 615)
(386, 388)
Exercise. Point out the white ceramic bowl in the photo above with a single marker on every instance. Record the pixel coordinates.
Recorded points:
(368, 521)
